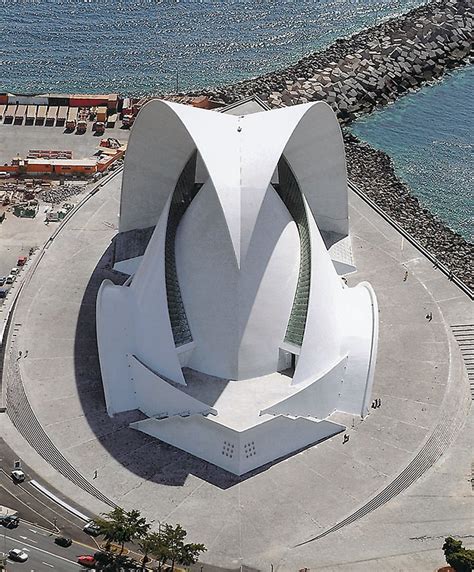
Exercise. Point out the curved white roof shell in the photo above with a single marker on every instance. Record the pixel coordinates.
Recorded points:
(236, 284)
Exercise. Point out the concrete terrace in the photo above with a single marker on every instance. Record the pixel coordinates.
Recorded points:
(262, 517)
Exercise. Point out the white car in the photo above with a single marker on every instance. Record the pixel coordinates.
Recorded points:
(18, 555)
(92, 528)
(10, 279)
(18, 475)
(15, 270)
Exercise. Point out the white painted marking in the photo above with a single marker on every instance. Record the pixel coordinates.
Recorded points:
(46, 564)
(37, 532)
(59, 501)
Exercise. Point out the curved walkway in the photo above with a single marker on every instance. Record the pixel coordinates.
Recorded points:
(24, 419)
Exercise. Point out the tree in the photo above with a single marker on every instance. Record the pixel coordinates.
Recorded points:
(113, 562)
(458, 557)
(119, 526)
(153, 544)
(178, 551)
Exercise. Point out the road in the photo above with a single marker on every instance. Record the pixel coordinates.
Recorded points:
(40, 521)
(32, 505)
(43, 553)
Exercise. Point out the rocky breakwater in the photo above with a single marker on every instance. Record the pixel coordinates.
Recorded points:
(372, 68)
(372, 172)
(399, 56)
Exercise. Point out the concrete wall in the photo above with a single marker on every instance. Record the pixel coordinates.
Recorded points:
(238, 452)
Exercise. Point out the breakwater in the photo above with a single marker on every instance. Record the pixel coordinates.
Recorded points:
(372, 68)
(373, 173)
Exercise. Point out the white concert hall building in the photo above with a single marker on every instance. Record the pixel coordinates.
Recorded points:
(235, 334)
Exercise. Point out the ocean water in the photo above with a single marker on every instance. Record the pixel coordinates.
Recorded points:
(147, 46)
(429, 135)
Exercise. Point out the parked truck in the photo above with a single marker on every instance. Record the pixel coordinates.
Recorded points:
(99, 127)
(81, 126)
(127, 121)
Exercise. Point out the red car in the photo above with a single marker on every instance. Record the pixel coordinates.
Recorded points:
(87, 561)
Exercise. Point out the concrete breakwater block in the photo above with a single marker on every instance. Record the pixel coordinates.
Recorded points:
(410, 50)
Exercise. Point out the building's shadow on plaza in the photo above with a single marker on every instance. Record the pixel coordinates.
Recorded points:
(146, 456)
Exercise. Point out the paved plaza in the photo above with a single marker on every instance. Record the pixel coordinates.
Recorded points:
(267, 516)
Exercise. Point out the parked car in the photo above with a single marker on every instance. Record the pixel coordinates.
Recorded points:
(87, 561)
(22, 260)
(15, 270)
(91, 528)
(18, 555)
(2, 280)
(10, 521)
(63, 541)
(18, 476)
(3, 292)
(10, 279)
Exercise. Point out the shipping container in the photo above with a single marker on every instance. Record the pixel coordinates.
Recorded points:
(10, 113)
(41, 114)
(51, 116)
(112, 102)
(58, 99)
(20, 110)
(4, 99)
(72, 114)
(126, 106)
(31, 113)
(101, 113)
(88, 100)
(27, 99)
(62, 116)
(111, 120)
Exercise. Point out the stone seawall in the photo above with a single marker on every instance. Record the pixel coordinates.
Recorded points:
(372, 68)
(372, 172)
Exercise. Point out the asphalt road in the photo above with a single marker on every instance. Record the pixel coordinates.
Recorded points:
(43, 553)
(35, 507)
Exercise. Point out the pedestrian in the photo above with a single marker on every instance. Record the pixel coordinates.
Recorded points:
(406, 276)
(379, 402)
(95, 474)
(346, 438)
(429, 316)
(26, 353)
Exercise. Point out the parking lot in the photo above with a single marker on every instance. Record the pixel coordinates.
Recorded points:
(19, 139)
(19, 235)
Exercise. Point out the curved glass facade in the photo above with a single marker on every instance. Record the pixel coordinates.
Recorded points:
(185, 191)
(289, 192)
